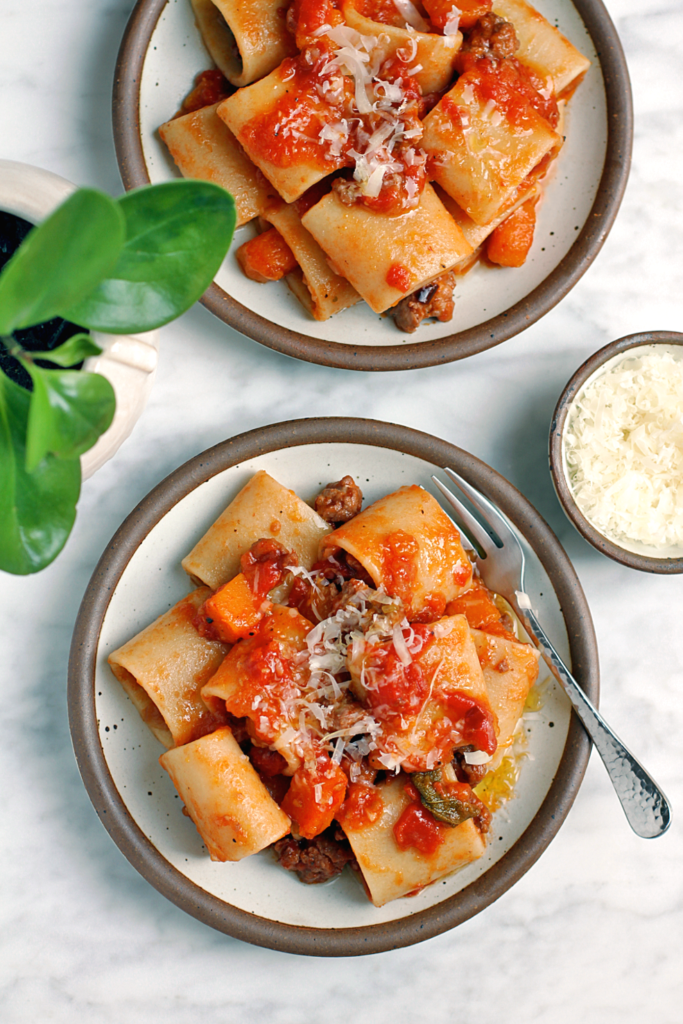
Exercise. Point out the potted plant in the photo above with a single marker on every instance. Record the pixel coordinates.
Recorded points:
(120, 266)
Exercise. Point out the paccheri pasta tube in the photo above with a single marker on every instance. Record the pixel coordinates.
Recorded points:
(348, 109)
(345, 689)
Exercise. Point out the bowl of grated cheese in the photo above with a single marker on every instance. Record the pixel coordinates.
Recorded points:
(616, 451)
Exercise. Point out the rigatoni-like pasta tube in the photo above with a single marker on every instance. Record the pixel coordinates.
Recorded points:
(385, 257)
(543, 47)
(232, 809)
(410, 547)
(163, 668)
(316, 285)
(246, 38)
(263, 508)
(203, 147)
(388, 870)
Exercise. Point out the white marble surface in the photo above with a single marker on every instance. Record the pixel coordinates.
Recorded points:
(593, 931)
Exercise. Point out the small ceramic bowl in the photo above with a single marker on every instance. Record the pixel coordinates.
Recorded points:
(127, 361)
(632, 553)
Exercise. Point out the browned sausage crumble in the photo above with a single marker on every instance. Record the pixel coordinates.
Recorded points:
(340, 501)
(434, 300)
(315, 860)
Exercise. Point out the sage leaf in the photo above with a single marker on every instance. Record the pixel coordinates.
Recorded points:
(68, 411)
(37, 510)
(74, 350)
(61, 260)
(448, 802)
(177, 234)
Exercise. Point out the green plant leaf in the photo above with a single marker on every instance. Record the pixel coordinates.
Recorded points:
(37, 510)
(61, 260)
(69, 409)
(177, 234)
(77, 348)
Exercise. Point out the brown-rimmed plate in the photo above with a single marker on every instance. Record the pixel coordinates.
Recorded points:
(159, 57)
(139, 577)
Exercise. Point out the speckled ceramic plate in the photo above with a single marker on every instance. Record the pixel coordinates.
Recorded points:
(160, 56)
(139, 577)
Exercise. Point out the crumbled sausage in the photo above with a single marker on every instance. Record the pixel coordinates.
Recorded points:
(434, 300)
(315, 860)
(471, 773)
(491, 36)
(338, 502)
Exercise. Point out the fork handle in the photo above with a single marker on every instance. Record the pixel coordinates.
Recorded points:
(645, 806)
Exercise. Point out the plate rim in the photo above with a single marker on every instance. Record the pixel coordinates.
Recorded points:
(116, 817)
(415, 355)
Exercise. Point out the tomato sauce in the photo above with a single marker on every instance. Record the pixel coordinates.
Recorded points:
(320, 99)
(399, 277)
(363, 806)
(417, 829)
(509, 85)
(398, 553)
(475, 721)
(265, 565)
(210, 87)
(383, 11)
(306, 17)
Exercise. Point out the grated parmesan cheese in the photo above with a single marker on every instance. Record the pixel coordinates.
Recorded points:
(623, 449)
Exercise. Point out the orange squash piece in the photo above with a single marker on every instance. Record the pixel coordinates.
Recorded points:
(234, 611)
(508, 245)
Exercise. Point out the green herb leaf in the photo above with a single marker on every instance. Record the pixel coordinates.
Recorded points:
(37, 510)
(61, 260)
(450, 803)
(177, 235)
(69, 409)
(77, 348)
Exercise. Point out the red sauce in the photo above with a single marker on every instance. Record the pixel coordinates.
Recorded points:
(509, 84)
(363, 806)
(210, 87)
(399, 277)
(288, 134)
(417, 829)
(434, 606)
(383, 11)
(306, 17)
(399, 551)
(439, 11)
(394, 689)
(267, 762)
(475, 722)
(265, 565)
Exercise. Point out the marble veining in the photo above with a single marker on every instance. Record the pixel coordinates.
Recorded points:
(593, 931)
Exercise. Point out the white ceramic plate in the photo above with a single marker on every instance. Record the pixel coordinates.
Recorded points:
(149, 580)
(157, 66)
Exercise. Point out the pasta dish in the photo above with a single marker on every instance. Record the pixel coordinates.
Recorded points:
(340, 687)
(380, 147)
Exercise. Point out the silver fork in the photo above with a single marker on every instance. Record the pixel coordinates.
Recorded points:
(497, 543)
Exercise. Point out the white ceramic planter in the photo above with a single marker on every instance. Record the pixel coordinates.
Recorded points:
(127, 361)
